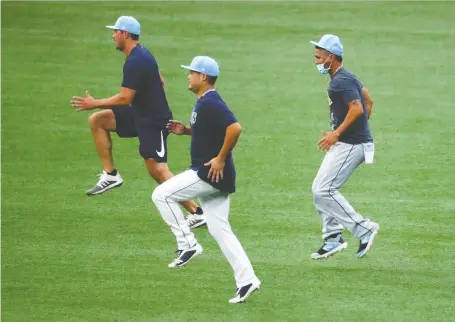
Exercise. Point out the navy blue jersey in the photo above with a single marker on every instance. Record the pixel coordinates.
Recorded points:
(141, 73)
(345, 87)
(209, 120)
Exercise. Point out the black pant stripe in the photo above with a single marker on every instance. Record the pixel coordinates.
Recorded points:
(175, 217)
(331, 195)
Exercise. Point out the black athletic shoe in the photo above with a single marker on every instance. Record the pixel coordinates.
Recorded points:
(366, 243)
(330, 248)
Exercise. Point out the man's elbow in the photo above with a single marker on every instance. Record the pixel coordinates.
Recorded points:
(126, 99)
(235, 129)
(359, 112)
(238, 128)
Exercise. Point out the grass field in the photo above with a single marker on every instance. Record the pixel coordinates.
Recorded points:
(67, 257)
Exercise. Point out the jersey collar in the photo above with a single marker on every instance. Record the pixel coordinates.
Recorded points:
(210, 90)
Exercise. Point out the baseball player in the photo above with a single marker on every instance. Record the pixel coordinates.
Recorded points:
(139, 110)
(348, 145)
(214, 132)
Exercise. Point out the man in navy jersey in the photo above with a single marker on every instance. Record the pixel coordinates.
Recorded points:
(348, 145)
(139, 110)
(214, 132)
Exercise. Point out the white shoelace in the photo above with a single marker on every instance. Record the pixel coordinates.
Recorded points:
(177, 260)
(193, 219)
(103, 180)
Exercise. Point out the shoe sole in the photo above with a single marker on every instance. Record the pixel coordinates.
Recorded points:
(339, 249)
(370, 243)
(115, 185)
(247, 295)
(195, 255)
(201, 224)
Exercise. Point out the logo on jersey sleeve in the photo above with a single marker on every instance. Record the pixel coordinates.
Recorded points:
(329, 99)
(333, 121)
(193, 118)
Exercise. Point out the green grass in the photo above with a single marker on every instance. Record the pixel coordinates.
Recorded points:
(67, 257)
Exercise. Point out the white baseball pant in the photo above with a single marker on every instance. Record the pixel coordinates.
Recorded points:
(215, 204)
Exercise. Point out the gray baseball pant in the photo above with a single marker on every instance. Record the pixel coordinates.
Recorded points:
(338, 165)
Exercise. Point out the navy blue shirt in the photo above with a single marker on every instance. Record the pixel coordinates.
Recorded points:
(209, 120)
(344, 88)
(141, 73)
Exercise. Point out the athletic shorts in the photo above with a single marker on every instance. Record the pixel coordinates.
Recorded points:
(152, 140)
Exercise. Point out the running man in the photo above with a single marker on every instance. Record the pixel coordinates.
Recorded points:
(139, 110)
(214, 132)
(348, 145)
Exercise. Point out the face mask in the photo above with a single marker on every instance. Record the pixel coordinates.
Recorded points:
(321, 69)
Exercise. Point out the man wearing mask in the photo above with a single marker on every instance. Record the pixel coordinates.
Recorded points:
(347, 146)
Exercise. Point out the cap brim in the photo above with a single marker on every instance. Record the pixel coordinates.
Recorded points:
(196, 70)
(189, 68)
(315, 43)
(111, 27)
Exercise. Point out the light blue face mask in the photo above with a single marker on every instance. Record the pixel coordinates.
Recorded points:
(322, 70)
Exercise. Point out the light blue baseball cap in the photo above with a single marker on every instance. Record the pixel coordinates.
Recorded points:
(127, 23)
(331, 43)
(204, 65)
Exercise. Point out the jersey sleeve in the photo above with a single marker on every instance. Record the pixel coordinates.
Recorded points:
(349, 90)
(359, 83)
(221, 116)
(131, 75)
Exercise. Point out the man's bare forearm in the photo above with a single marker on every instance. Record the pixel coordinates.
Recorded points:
(355, 110)
(230, 139)
(368, 101)
(369, 107)
(115, 100)
(187, 131)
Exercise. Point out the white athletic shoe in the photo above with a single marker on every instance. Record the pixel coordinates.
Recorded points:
(244, 292)
(105, 183)
(195, 221)
(185, 255)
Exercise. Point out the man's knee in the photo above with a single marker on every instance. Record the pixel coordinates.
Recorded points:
(160, 172)
(158, 195)
(323, 192)
(215, 232)
(102, 120)
(320, 192)
(314, 186)
(94, 120)
(318, 187)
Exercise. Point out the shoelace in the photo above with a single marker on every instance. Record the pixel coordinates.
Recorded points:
(177, 259)
(192, 219)
(102, 182)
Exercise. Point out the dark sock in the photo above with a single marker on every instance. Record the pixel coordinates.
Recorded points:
(198, 211)
(334, 237)
(113, 173)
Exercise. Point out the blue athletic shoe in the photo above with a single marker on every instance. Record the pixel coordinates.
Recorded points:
(330, 248)
(367, 242)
